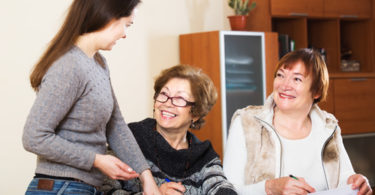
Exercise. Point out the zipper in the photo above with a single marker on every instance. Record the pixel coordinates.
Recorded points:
(278, 137)
(322, 153)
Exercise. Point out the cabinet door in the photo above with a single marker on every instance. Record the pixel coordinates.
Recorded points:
(355, 104)
(348, 8)
(297, 7)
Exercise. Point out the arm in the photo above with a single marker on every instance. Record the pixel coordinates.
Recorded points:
(122, 141)
(347, 174)
(61, 87)
(235, 157)
(214, 180)
(124, 145)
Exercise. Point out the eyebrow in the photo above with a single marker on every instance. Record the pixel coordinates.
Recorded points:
(294, 73)
(178, 92)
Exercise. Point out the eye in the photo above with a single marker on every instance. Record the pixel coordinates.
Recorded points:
(163, 93)
(298, 79)
(279, 75)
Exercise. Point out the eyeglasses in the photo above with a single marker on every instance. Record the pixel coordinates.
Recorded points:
(176, 101)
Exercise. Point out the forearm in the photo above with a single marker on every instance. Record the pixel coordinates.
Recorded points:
(123, 143)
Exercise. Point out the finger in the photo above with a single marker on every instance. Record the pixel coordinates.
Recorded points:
(176, 186)
(171, 191)
(350, 179)
(303, 185)
(125, 167)
(127, 177)
(358, 181)
(364, 189)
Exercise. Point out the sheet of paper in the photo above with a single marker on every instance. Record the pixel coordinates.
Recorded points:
(345, 190)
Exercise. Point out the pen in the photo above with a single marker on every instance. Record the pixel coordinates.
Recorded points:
(293, 177)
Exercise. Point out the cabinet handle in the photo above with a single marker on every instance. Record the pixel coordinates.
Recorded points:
(358, 79)
(348, 16)
(298, 14)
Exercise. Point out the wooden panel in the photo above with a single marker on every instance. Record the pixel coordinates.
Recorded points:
(272, 58)
(329, 105)
(296, 28)
(328, 39)
(348, 8)
(259, 19)
(202, 50)
(355, 35)
(297, 7)
(355, 105)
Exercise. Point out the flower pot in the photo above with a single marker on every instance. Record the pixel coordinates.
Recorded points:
(237, 22)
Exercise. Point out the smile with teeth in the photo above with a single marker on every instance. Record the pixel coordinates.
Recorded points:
(168, 114)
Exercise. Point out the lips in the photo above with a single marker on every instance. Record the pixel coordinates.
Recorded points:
(167, 115)
(285, 96)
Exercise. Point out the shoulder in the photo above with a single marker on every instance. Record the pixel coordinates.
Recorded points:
(327, 118)
(248, 111)
(68, 65)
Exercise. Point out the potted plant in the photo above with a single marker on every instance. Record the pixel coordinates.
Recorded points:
(241, 9)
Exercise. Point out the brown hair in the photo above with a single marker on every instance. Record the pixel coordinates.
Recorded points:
(202, 88)
(84, 16)
(314, 65)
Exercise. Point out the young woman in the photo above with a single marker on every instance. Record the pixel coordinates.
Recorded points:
(289, 136)
(76, 113)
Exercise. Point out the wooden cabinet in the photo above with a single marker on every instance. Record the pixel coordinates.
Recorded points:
(234, 62)
(337, 26)
(312, 8)
(348, 8)
(354, 104)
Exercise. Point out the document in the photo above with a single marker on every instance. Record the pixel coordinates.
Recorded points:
(344, 190)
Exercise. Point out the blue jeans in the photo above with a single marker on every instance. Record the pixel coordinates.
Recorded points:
(62, 187)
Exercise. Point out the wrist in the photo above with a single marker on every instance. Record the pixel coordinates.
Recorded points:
(146, 176)
(97, 160)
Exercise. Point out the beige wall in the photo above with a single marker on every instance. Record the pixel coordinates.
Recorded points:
(152, 44)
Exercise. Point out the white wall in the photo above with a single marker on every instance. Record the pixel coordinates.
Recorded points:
(152, 45)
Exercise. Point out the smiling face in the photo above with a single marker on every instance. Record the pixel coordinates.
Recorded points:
(292, 88)
(168, 116)
(113, 31)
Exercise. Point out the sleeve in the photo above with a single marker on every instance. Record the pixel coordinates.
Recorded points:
(235, 160)
(58, 92)
(346, 168)
(122, 141)
(214, 181)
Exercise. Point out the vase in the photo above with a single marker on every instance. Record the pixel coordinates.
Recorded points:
(237, 22)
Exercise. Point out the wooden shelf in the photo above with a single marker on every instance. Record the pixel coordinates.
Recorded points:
(348, 75)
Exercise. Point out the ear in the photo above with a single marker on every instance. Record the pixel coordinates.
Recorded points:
(316, 96)
(195, 119)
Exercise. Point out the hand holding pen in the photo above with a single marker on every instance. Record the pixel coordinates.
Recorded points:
(172, 188)
(288, 185)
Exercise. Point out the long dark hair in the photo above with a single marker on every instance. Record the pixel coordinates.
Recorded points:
(84, 16)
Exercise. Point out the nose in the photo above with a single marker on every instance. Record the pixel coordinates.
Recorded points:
(286, 84)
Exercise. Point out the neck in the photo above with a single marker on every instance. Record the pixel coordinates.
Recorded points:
(292, 125)
(177, 139)
(86, 43)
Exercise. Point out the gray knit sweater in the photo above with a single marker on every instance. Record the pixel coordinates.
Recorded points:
(73, 117)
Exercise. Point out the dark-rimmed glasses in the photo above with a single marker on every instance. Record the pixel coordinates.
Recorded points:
(176, 101)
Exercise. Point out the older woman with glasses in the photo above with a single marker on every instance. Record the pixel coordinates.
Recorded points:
(180, 163)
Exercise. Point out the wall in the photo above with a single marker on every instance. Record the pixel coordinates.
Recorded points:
(152, 44)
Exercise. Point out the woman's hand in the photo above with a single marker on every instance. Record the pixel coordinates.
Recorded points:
(172, 188)
(114, 167)
(361, 183)
(148, 183)
(288, 185)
